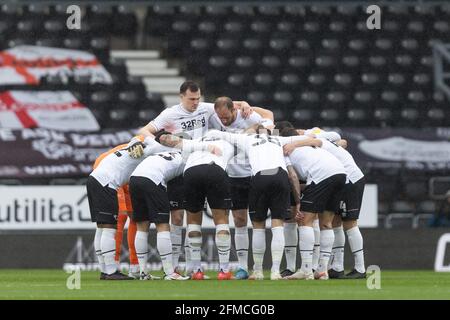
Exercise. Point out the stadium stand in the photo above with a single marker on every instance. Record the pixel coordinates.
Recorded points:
(311, 63)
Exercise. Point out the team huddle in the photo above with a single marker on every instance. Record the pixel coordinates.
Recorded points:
(236, 158)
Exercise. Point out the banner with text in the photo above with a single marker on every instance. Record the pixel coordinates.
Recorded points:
(66, 207)
(42, 153)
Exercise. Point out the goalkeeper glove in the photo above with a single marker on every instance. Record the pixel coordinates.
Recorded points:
(136, 150)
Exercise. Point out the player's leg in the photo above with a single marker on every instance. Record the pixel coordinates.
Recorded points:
(310, 205)
(140, 189)
(241, 242)
(218, 194)
(159, 213)
(194, 231)
(131, 236)
(141, 245)
(175, 190)
(331, 193)
(278, 191)
(306, 247)
(277, 247)
(258, 209)
(121, 221)
(104, 211)
(336, 264)
(326, 244)
(176, 235)
(350, 222)
(316, 252)
(239, 196)
(91, 190)
(355, 241)
(223, 242)
(164, 246)
(258, 249)
(291, 240)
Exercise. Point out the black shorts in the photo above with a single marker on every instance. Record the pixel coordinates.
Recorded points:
(269, 192)
(352, 200)
(206, 181)
(240, 188)
(175, 191)
(150, 201)
(324, 196)
(103, 203)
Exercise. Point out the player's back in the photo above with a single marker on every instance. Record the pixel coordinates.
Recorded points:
(265, 152)
(115, 168)
(161, 167)
(206, 157)
(316, 163)
(354, 173)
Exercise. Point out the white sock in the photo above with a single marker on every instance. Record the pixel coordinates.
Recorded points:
(164, 245)
(176, 238)
(108, 246)
(223, 243)
(259, 248)
(98, 249)
(187, 254)
(326, 244)
(306, 246)
(290, 246)
(355, 240)
(316, 252)
(195, 247)
(337, 253)
(242, 243)
(277, 247)
(141, 245)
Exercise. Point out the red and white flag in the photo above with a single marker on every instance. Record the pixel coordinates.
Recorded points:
(28, 64)
(58, 110)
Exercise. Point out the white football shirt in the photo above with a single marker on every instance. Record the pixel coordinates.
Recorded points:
(354, 173)
(319, 133)
(177, 119)
(315, 164)
(202, 156)
(265, 152)
(115, 169)
(238, 166)
(160, 167)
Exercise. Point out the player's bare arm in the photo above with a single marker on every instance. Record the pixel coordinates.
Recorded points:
(264, 113)
(311, 142)
(245, 108)
(295, 186)
(148, 130)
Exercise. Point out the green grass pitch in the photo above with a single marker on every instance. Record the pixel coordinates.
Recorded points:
(51, 284)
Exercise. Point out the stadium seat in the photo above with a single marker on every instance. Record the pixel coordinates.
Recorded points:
(331, 117)
(124, 22)
(263, 81)
(101, 99)
(207, 29)
(427, 207)
(304, 118)
(359, 117)
(120, 118)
